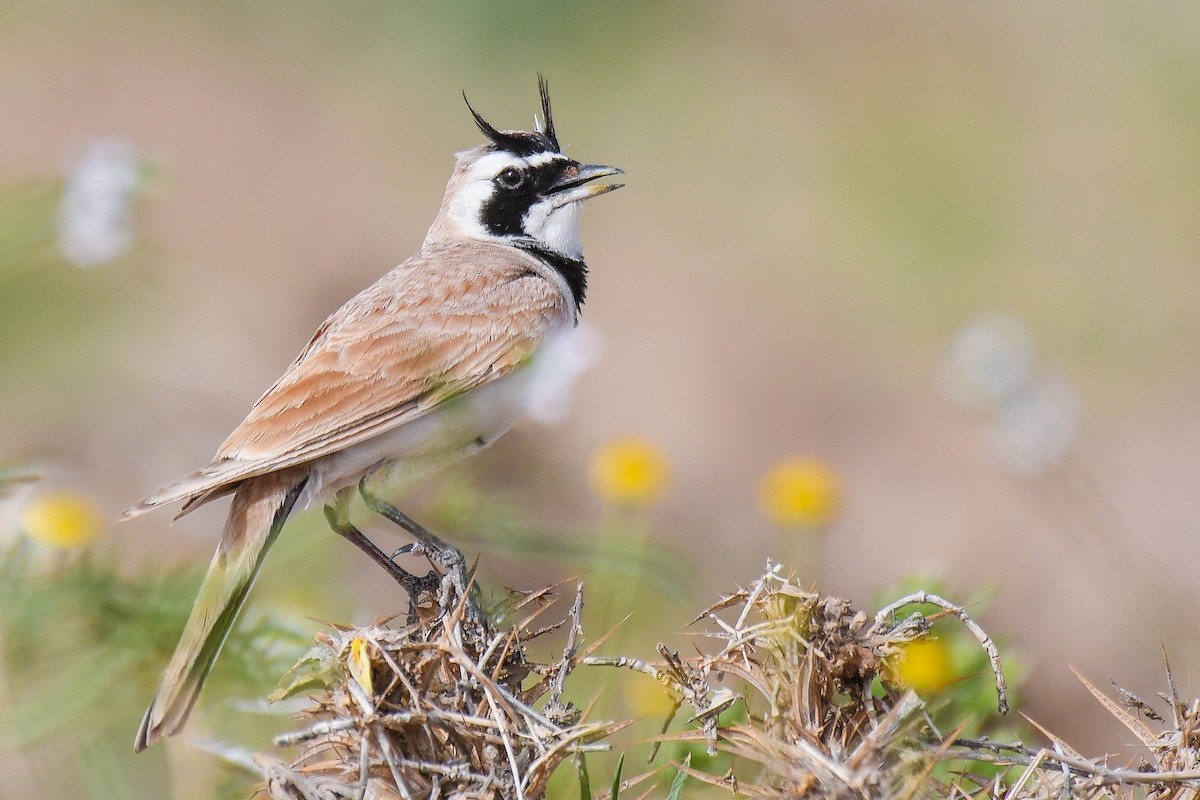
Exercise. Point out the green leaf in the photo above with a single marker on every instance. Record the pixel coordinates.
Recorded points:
(616, 783)
(680, 777)
(318, 669)
(585, 783)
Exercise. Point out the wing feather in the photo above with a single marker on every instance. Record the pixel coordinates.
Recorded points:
(441, 324)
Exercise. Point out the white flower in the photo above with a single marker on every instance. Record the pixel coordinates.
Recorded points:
(94, 218)
(989, 361)
(1032, 419)
(14, 497)
(556, 369)
(1037, 428)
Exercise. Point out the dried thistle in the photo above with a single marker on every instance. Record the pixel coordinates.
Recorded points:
(804, 667)
(1172, 771)
(436, 708)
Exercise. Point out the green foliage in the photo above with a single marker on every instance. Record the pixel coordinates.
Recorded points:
(82, 645)
(27, 228)
(969, 694)
(967, 701)
(616, 781)
(680, 777)
(585, 781)
(86, 642)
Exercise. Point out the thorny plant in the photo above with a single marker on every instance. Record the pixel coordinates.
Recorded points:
(437, 708)
(804, 666)
(1170, 772)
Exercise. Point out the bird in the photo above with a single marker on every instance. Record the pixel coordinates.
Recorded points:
(429, 364)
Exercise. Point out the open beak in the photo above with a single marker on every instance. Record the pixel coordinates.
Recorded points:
(578, 185)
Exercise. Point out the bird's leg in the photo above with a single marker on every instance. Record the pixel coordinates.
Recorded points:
(439, 551)
(338, 517)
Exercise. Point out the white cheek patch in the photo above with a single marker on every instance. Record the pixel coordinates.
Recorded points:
(465, 205)
(554, 226)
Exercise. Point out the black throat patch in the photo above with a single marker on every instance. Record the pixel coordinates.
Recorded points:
(573, 271)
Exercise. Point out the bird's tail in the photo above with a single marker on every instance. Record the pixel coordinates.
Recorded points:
(256, 515)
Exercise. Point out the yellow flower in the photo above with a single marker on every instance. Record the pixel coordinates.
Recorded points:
(799, 492)
(360, 664)
(649, 698)
(924, 665)
(629, 472)
(62, 520)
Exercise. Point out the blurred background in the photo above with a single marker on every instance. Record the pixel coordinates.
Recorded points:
(944, 255)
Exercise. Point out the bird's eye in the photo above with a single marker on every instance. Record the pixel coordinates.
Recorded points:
(510, 179)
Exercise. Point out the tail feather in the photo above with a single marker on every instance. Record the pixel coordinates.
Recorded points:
(256, 515)
(196, 488)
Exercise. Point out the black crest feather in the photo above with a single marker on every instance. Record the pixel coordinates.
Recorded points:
(547, 115)
(522, 143)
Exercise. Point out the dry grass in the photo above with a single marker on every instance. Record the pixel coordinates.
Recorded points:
(1170, 769)
(805, 667)
(446, 705)
(793, 686)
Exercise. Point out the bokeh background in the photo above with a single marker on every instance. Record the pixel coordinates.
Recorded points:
(820, 198)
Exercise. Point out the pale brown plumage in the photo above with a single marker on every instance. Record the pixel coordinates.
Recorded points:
(456, 315)
(398, 349)
(256, 516)
(421, 368)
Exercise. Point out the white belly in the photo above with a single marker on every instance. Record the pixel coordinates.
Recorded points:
(462, 426)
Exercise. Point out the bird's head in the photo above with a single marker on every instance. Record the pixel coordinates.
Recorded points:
(520, 189)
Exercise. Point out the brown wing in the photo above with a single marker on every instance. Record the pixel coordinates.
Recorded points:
(438, 325)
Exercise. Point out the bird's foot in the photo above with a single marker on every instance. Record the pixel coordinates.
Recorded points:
(413, 585)
(456, 582)
(440, 553)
